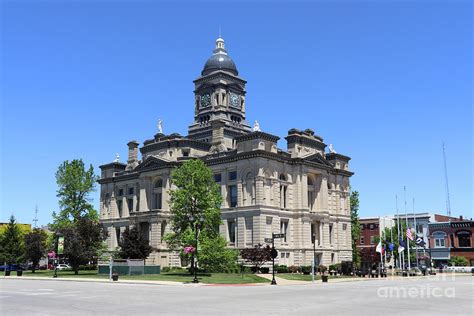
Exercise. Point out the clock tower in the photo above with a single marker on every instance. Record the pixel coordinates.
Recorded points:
(219, 101)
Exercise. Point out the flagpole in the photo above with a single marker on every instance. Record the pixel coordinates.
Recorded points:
(406, 219)
(400, 265)
(385, 250)
(416, 233)
(381, 250)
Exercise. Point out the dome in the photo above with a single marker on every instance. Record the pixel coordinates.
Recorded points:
(219, 60)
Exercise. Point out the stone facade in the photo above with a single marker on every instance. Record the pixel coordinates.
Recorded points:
(303, 191)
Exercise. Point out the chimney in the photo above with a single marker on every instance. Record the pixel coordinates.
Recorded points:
(132, 161)
(460, 217)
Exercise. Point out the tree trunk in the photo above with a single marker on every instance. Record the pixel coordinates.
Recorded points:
(76, 271)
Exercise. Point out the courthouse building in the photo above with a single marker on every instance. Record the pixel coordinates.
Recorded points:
(301, 191)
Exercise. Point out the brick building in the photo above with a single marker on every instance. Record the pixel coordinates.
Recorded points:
(451, 238)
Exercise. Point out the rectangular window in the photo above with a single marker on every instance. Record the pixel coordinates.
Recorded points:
(372, 226)
(284, 229)
(119, 207)
(440, 242)
(330, 234)
(249, 230)
(120, 192)
(217, 177)
(362, 240)
(131, 190)
(117, 235)
(233, 175)
(232, 195)
(372, 240)
(163, 230)
(231, 229)
(130, 205)
(157, 201)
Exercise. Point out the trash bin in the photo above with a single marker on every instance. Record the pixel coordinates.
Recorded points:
(115, 276)
(324, 278)
(7, 273)
(19, 272)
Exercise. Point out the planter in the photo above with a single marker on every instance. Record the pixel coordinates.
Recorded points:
(7, 273)
(115, 276)
(324, 278)
(19, 272)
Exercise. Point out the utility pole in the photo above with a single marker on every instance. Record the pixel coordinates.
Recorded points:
(448, 202)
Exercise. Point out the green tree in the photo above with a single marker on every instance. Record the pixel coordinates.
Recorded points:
(457, 261)
(12, 247)
(36, 246)
(195, 206)
(355, 226)
(75, 184)
(82, 242)
(133, 245)
(214, 255)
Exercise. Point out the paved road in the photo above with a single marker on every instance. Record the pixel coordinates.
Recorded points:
(429, 296)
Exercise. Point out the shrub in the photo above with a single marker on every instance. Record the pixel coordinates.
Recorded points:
(294, 269)
(282, 269)
(306, 269)
(333, 267)
(165, 269)
(264, 270)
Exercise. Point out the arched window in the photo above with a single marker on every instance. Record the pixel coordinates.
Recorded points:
(157, 194)
(439, 239)
(158, 184)
(464, 238)
(311, 192)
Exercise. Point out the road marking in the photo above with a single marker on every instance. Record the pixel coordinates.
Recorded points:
(4, 296)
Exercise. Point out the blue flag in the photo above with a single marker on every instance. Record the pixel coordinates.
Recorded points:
(402, 245)
(391, 246)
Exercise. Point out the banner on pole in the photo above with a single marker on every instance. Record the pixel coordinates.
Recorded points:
(60, 245)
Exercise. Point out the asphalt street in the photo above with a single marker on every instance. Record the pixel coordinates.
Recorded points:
(429, 296)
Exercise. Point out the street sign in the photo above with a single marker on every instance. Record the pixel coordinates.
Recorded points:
(278, 235)
(268, 240)
(273, 253)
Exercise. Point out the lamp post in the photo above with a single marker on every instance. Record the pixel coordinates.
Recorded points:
(197, 223)
(429, 250)
(314, 254)
(59, 248)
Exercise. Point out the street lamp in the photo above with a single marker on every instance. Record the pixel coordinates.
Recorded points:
(197, 223)
(314, 254)
(56, 260)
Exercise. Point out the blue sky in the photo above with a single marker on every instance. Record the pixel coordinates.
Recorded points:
(385, 82)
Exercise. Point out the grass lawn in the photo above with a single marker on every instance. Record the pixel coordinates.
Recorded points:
(212, 278)
(306, 277)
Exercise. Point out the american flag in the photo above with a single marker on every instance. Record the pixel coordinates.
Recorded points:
(409, 234)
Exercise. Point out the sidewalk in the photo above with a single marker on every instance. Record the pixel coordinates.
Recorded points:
(101, 280)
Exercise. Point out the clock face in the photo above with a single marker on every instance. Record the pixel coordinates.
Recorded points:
(205, 100)
(234, 100)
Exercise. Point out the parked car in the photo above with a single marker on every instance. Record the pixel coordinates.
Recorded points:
(63, 266)
(10, 267)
